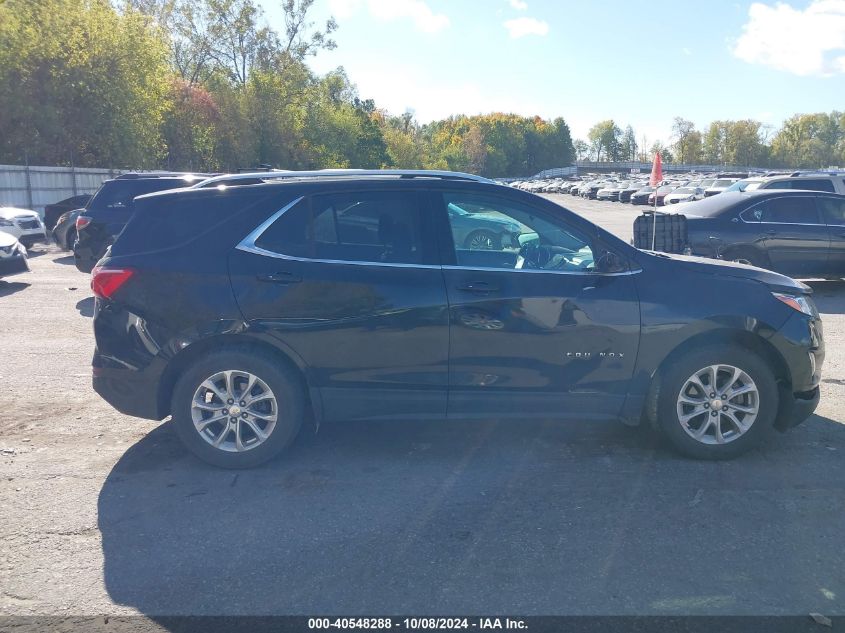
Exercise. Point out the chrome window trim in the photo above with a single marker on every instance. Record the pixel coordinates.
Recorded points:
(248, 245)
(818, 212)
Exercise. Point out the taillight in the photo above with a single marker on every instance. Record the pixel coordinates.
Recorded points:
(82, 221)
(106, 281)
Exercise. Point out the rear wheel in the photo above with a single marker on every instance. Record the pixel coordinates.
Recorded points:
(717, 403)
(237, 409)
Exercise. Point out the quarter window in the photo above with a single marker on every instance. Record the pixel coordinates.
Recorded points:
(816, 184)
(378, 227)
(488, 232)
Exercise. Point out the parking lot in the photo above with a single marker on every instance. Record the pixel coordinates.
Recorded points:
(106, 514)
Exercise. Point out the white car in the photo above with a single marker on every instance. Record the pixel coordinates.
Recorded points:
(12, 256)
(684, 194)
(23, 224)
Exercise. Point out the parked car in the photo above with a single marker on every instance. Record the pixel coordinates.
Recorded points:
(797, 233)
(243, 311)
(813, 181)
(609, 191)
(25, 225)
(64, 233)
(629, 190)
(659, 195)
(52, 212)
(112, 206)
(684, 194)
(12, 256)
(642, 196)
(718, 186)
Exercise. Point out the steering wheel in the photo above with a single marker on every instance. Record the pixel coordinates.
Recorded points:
(533, 255)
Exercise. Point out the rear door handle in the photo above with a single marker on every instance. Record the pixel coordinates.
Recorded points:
(280, 278)
(479, 287)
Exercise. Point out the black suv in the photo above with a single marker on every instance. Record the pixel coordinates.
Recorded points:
(243, 310)
(111, 207)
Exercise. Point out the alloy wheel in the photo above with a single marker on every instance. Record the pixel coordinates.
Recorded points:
(718, 404)
(234, 410)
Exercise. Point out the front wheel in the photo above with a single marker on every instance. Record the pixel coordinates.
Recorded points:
(237, 409)
(717, 403)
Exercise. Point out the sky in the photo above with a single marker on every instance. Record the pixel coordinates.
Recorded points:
(638, 63)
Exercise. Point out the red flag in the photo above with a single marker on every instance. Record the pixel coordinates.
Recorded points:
(656, 170)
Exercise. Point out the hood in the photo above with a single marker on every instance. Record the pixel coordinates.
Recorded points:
(776, 281)
(7, 213)
(7, 240)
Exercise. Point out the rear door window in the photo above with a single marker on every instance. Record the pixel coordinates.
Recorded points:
(815, 184)
(376, 227)
(833, 210)
(790, 210)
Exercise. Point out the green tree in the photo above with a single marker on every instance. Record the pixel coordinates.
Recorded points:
(605, 138)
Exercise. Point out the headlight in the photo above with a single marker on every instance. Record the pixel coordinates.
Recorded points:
(796, 302)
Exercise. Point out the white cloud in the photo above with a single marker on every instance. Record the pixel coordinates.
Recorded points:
(417, 11)
(520, 27)
(803, 42)
(519, 5)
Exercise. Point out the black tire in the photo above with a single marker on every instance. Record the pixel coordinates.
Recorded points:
(284, 384)
(675, 377)
(493, 239)
(70, 238)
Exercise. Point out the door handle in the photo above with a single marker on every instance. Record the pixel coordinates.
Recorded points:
(280, 278)
(479, 287)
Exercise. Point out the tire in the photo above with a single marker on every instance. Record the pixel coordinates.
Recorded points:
(754, 372)
(70, 238)
(286, 399)
(493, 240)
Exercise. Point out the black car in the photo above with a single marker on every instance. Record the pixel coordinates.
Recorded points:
(797, 233)
(112, 206)
(626, 193)
(641, 196)
(52, 212)
(243, 311)
(64, 233)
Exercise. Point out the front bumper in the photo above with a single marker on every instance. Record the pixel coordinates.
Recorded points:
(13, 265)
(795, 408)
(800, 342)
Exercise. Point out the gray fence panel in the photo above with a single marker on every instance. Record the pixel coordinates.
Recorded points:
(34, 187)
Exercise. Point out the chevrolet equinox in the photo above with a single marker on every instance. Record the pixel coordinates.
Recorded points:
(241, 310)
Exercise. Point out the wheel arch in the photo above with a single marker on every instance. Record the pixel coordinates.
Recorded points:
(742, 338)
(228, 342)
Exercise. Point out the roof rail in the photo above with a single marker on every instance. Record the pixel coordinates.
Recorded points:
(134, 175)
(818, 172)
(337, 173)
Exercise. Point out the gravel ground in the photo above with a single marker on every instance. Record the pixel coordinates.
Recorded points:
(105, 514)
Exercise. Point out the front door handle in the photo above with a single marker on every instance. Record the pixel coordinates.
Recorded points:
(280, 278)
(479, 287)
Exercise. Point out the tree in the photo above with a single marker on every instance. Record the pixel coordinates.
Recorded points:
(628, 144)
(582, 149)
(605, 137)
(686, 141)
(80, 81)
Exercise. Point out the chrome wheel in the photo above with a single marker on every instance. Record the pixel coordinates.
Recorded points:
(234, 411)
(718, 404)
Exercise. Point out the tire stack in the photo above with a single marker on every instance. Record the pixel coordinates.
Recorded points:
(671, 236)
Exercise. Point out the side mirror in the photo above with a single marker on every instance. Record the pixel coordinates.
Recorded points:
(610, 262)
